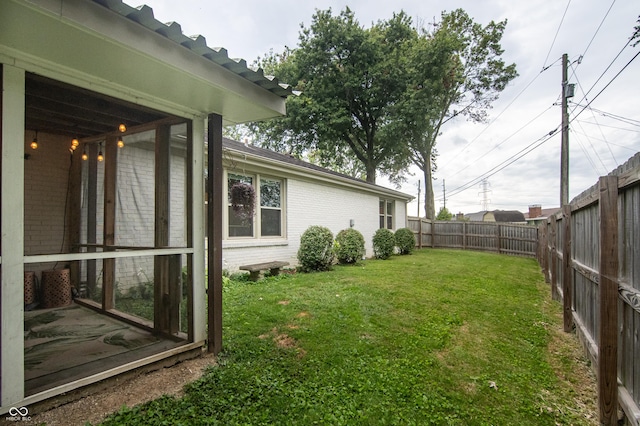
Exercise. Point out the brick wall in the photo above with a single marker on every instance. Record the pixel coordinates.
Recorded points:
(310, 203)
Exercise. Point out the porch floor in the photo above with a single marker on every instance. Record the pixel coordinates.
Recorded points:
(66, 344)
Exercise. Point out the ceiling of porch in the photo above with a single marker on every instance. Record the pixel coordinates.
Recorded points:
(62, 109)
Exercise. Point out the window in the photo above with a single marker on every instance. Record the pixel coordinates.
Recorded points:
(386, 214)
(238, 226)
(267, 220)
(270, 208)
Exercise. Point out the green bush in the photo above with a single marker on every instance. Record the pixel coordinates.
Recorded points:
(316, 249)
(383, 243)
(405, 240)
(349, 246)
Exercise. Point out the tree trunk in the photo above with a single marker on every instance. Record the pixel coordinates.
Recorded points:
(429, 205)
(371, 173)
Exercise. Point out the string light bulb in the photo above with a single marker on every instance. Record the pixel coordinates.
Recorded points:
(85, 157)
(75, 143)
(34, 142)
(122, 128)
(100, 156)
(120, 142)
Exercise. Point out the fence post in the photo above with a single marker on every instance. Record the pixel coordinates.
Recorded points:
(419, 232)
(608, 289)
(554, 258)
(567, 271)
(464, 235)
(499, 240)
(433, 233)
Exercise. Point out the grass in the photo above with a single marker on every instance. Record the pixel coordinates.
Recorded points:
(440, 337)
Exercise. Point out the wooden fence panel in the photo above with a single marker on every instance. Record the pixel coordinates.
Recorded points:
(512, 239)
(605, 288)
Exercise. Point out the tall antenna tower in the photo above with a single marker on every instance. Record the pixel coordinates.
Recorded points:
(485, 185)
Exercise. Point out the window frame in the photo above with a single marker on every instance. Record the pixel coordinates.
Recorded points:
(385, 216)
(257, 179)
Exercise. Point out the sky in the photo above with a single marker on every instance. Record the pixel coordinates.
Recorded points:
(513, 150)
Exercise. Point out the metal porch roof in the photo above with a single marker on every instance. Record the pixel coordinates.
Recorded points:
(143, 15)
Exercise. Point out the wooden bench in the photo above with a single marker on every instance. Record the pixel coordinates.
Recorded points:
(254, 270)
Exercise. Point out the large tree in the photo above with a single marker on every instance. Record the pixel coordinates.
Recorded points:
(350, 80)
(457, 70)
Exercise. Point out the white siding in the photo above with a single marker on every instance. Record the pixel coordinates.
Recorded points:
(312, 203)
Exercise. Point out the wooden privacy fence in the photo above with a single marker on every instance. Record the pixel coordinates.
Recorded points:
(590, 253)
(506, 238)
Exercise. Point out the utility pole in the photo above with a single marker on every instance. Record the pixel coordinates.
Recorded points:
(444, 195)
(418, 214)
(564, 149)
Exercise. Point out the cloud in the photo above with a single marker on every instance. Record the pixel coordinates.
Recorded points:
(527, 109)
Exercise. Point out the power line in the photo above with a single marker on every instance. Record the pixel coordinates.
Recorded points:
(610, 143)
(494, 120)
(556, 36)
(529, 148)
(586, 153)
(536, 144)
(626, 120)
(604, 72)
(605, 87)
(598, 29)
(610, 127)
(599, 128)
(504, 140)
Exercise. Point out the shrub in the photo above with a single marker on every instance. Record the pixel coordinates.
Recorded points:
(383, 243)
(316, 249)
(405, 240)
(349, 246)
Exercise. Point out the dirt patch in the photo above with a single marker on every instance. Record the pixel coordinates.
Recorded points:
(283, 340)
(303, 314)
(133, 391)
(284, 302)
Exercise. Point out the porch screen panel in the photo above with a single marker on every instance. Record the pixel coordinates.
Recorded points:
(135, 208)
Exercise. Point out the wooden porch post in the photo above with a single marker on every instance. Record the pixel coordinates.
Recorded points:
(74, 213)
(608, 288)
(214, 232)
(92, 213)
(110, 194)
(190, 219)
(166, 274)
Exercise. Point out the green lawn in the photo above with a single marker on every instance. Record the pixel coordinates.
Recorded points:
(437, 337)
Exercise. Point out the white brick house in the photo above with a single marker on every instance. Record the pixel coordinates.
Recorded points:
(308, 195)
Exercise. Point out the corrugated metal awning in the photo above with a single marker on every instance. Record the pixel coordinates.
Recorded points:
(197, 44)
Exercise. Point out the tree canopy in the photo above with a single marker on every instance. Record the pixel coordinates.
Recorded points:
(350, 78)
(457, 71)
(375, 100)
(444, 214)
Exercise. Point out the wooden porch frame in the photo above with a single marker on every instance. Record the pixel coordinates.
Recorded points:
(214, 233)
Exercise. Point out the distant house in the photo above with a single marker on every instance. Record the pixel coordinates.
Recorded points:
(293, 195)
(510, 216)
(537, 214)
